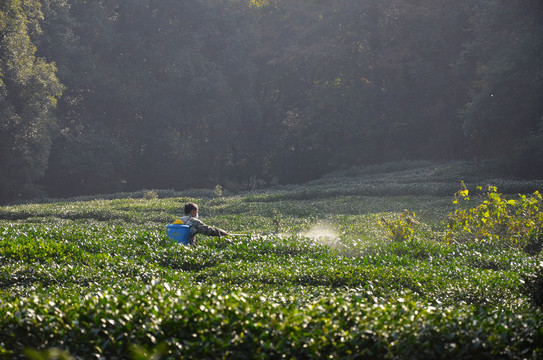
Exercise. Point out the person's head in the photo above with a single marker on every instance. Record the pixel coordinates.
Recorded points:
(191, 209)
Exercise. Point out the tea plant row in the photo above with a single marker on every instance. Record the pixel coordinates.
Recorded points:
(204, 322)
(101, 279)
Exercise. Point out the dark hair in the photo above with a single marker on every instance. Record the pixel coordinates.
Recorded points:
(189, 207)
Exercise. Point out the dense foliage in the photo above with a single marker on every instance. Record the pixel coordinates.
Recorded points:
(28, 91)
(313, 275)
(246, 93)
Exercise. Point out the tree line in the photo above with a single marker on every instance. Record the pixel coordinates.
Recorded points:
(119, 95)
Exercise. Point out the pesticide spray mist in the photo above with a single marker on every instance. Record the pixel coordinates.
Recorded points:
(322, 233)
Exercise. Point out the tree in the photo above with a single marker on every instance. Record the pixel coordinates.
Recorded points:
(29, 90)
(180, 94)
(505, 105)
(161, 83)
(352, 83)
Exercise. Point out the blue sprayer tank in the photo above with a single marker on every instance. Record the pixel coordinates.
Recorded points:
(180, 233)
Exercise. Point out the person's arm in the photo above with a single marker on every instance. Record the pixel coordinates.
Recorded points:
(204, 229)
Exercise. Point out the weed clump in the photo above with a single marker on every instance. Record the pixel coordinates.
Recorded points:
(500, 222)
(150, 195)
(402, 228)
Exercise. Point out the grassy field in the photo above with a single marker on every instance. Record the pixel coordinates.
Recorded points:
(316, 273)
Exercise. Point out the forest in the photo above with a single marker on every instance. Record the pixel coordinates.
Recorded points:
(105, 96)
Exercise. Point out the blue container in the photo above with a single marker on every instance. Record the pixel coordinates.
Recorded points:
(180, 233)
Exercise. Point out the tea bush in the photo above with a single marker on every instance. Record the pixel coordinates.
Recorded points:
(311, 278)
(534, 284)
(210, 322)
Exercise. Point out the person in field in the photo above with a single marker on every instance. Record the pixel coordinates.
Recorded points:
(197, 226)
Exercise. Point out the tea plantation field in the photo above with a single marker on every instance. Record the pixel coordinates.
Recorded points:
(335, 268)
